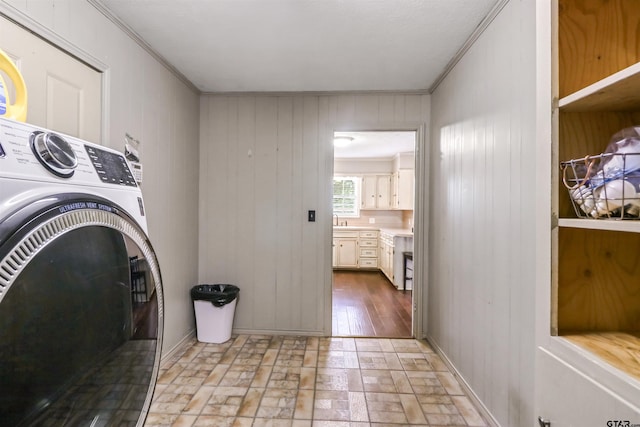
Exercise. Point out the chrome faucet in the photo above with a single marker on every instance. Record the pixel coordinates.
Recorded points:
(336, 215)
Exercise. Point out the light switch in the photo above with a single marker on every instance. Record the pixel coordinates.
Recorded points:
(312, 216)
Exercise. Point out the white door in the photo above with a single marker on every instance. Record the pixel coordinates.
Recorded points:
(64, 94)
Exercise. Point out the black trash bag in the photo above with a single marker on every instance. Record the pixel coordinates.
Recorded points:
(218, 294)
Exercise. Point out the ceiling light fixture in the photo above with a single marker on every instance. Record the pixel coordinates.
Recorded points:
(342, 141)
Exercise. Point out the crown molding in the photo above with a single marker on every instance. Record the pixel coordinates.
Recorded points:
(482, 26)
(100, 7)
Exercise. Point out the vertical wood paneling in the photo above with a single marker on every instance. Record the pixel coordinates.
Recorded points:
(245, 191)
(387, 108)
(482, 217)
(312, 239)
(287, 272)
(265, 217)
(367, 108)
(282, 261)
(297, 222)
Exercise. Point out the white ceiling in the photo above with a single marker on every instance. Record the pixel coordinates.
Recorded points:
(304, 45)
(381, 144)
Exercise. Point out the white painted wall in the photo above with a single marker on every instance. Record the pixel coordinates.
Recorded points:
(155, 107)
(264, 162)
(481, 295)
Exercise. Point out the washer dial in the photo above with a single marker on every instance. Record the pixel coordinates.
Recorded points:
(54, 153)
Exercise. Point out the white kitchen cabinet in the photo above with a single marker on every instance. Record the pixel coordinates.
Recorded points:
(589, 365)
(402, 185)
(368, 244)
(376, 192)
(345, 249)
(386, 255)
(355, 249)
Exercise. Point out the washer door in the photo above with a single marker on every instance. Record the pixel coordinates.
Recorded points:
(81, 315)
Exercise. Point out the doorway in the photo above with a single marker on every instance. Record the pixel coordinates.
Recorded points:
(372, 240)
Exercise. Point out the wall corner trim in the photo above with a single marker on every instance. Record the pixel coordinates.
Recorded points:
(482, 26)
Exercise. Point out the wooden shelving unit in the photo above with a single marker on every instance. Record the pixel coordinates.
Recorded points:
(596, 284)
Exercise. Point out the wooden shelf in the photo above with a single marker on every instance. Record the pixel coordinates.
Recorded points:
(626, 225)
(618, 92)
(619, 349)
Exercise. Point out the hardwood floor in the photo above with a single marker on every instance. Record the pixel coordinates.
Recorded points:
(366, 304)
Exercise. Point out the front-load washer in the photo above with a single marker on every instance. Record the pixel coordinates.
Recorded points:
(81, 307)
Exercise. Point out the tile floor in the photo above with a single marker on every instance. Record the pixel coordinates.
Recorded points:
(257, 380)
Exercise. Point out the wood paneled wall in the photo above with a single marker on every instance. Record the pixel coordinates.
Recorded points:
(481, 294)
(151, 104)
(265, 160)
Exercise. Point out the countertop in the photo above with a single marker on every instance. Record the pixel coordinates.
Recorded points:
(399, 232)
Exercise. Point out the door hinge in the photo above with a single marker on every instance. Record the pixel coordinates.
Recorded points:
(543, 422)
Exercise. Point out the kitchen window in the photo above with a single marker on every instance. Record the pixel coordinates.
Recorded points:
(346, 200)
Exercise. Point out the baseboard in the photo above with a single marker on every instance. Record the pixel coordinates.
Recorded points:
(278, 332)
(176, 348)
(484, 411)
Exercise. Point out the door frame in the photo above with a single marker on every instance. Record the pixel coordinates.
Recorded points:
(420, 222)
(29, 24)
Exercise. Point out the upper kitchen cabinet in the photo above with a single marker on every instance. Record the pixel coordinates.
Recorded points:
(596, 280)
(376, 192)
(402, 182)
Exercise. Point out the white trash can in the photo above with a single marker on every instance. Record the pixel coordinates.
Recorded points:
(214, 306)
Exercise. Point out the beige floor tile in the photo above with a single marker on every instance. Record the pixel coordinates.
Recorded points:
(414, 362)
(277, 403)
(468, 411)
(450, 383)
(445, 419)
(412, 409)
(261, 377)
(331, 405)
(216, 375)
(354, 380)
(308, 378)
(401, 382)
(269, 357)
(159, 419)
(199, 400)
(304, 405)
(213, 421)
(378, 380)
(184, 421)
(262, 380)
(313, 343)
(242, 422)
(332, 379)
(251, 402)
(344, 344)
(171, 374)
(436, 362)
(310, 358)
(358, 407)
(386, 408)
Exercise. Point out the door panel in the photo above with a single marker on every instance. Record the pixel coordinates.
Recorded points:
(64, 94)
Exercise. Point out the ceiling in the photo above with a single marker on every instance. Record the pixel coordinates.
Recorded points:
(374, 144)
(304, 45)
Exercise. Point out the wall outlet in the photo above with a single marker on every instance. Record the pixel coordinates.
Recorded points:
(372, 220)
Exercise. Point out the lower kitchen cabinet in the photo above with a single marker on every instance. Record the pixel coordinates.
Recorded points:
(386, 255)
(345, 249)
(391, 260)
(355, 249)
(368, 243)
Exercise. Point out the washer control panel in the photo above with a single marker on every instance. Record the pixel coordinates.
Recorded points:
(111, 167)
(54, 153)
(27, 151)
